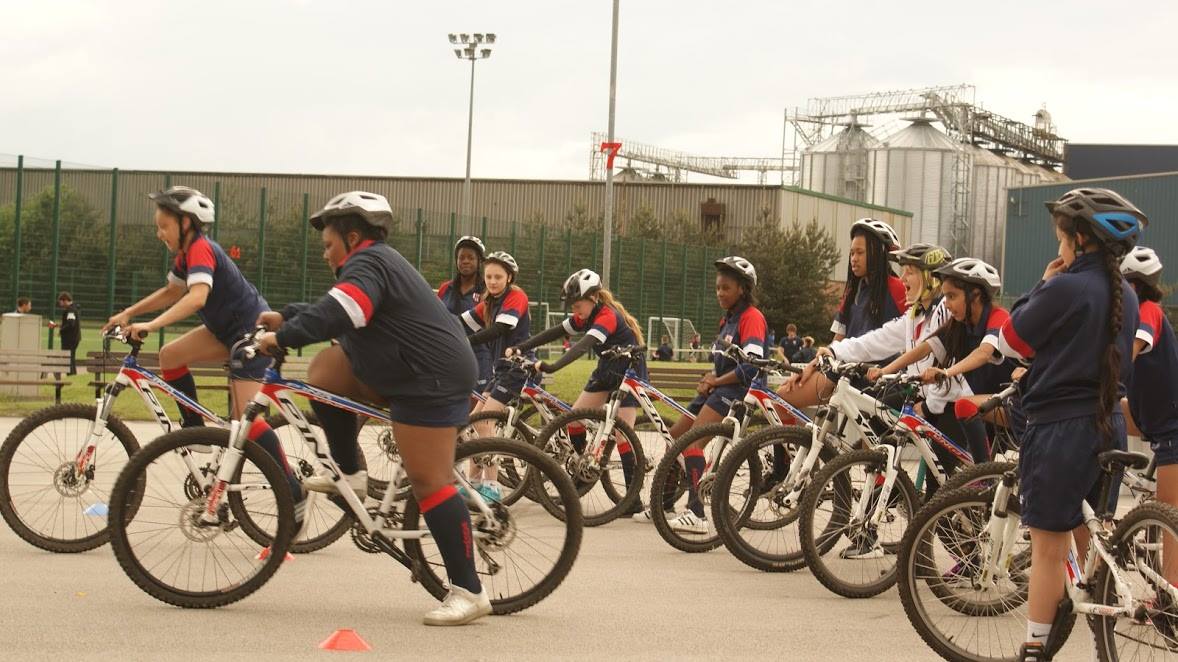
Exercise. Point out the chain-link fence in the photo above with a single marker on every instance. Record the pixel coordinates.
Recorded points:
(90, 231)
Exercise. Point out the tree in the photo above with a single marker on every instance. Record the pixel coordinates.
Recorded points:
(644, 224)
(793, 268)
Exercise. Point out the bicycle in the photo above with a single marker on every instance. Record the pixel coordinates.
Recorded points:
(185, 543)
(91, 444)
(671, 478)
(865, 496)
(974, 610)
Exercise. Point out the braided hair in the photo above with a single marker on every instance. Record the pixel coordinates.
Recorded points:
(878, 272)
(1110, 362)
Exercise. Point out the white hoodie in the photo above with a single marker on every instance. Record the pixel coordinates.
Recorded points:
(898, 336)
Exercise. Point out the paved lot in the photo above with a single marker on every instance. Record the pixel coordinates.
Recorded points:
(629, 596)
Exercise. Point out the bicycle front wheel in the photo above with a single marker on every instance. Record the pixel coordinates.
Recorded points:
(522, 554)
(48, 498)
(326, 522)
(495, 424)
(157, 532)
(670, 490)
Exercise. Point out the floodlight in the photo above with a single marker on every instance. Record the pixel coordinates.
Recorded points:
(453, 38)
(486, 52)
(490, 37)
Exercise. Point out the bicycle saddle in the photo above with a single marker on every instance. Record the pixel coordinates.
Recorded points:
(1112, 460)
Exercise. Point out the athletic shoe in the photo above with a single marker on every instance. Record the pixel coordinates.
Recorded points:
(300, 513)
(689, 522)
(490, 491)
(1032, 651)
(357, 481)
(459, 608)
(867, 547)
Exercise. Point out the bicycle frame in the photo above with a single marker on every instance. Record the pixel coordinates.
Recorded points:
(547, 404)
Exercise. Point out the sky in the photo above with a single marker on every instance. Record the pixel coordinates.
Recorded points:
(359, 87)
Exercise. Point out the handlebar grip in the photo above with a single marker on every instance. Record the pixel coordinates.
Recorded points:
(989, 405)
(142, 335)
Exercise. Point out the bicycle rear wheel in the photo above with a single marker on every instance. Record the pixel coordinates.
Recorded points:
(1138, 547)
(156, 532)
(509, 475)
(46, 500)
(522, 554)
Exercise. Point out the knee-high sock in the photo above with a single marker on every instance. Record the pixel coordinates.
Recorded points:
(629, 463)
(693, 458)
(975, 430)
(181, 380)
(448, 520)
(262, 433)
(577, 436)
(342, 430)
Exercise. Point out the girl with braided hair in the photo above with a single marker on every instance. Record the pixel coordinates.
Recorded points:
(1078, 324)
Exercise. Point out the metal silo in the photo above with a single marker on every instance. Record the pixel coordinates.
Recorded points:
(987, 208)
(914, 170)
(838, 165)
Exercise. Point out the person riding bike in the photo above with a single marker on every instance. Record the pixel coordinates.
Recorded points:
(204, 281)
(465, 290)
(397, 345)
(1078, 324)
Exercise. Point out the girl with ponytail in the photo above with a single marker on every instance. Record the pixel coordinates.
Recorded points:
(1078, 324)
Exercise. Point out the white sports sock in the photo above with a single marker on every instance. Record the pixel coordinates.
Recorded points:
(1037, 632)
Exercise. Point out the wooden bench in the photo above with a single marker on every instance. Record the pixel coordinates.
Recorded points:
(671, 377)
(102, 363)
(32, 367)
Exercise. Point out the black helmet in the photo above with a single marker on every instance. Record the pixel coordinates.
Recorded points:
(926, 257)
(1116, 221)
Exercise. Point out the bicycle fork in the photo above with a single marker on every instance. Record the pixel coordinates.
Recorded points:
(880, 508)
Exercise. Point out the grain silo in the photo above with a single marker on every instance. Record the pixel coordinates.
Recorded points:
(838, 165)
(914, 170)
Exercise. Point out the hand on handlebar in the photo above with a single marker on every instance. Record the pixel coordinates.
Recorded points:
(933, 375)
(137, 331)
(1017, 374)
(270, 319)
(267, 343)
(874, 374)
(120, 319)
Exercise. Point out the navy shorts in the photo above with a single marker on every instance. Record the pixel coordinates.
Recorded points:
(719, 400)
(1165, 450)
(505, 385)
(608, 375)
(1058, 470)
(431, 413)
(239, 366)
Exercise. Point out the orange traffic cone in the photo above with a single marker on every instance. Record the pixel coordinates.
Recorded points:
(265, 554)
(345, 639)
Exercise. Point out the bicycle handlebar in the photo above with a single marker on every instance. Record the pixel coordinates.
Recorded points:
(634, 352)
(997, 399)
(739, 355)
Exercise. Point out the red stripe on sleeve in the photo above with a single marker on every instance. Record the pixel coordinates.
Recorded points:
(200, 254)
(516, 301)
(356, 294)
(1151, 316)
(1018, 344)
(998, 319)
(606, 320)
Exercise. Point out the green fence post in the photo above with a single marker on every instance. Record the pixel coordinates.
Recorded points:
(513, 224)
(542, 294)
(642, 277)
(663, 284)
(568, 251)
(303, 266)
(56, 239)
(594, 263)
(216, 206)
(20, 176)
(262, 240)
(112, 243)
(167, 261)
(682, 297)
(420, 225)
(484, 235)
(704, 288)
(453, 230)
(616, 283)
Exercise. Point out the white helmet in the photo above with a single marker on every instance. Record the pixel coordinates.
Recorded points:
(580, 285)
(740, 265)
(1142, 264)
(372, 207)
(879, 230)
(508, 262)
(973, 270)
(471, 242)
(182, 200)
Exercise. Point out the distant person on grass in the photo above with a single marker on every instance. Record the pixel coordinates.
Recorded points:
(71, 327)
(24, 306)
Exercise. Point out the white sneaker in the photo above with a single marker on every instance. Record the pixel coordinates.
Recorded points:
(689, 522)
(358, 482)
(459, 608)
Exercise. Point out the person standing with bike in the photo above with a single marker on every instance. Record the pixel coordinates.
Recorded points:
(871, 297)
(397, 344)
(1078, 324)
(606, 325)
(499, 321)
(204, 282)
(465, 291)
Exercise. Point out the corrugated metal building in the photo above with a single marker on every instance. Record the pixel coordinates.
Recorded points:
(1030, 240)
(736, 208)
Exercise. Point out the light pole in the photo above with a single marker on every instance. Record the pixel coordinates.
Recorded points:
(608, 221)
(473, 47)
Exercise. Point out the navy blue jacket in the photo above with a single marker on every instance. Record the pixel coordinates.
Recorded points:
(399, 338)
(1063, 324)
(854, 317)
(1153, 390)
(234, 304)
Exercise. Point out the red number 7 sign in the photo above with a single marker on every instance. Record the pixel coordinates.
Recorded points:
(612, 149)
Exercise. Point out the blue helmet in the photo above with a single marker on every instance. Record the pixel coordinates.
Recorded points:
(1115, 221)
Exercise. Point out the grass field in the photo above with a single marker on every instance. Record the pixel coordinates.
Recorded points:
(566, 384)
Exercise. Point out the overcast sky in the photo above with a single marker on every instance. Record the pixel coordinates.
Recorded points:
(337, 86)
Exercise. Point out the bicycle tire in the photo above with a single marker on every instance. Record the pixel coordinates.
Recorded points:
(1165, 516)
(669, 481)
(511, 477)
(541, 467)
(737, 538)
(122, 518)
(585, 484)
(816, 549)
(326, 521)
(25, 525)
